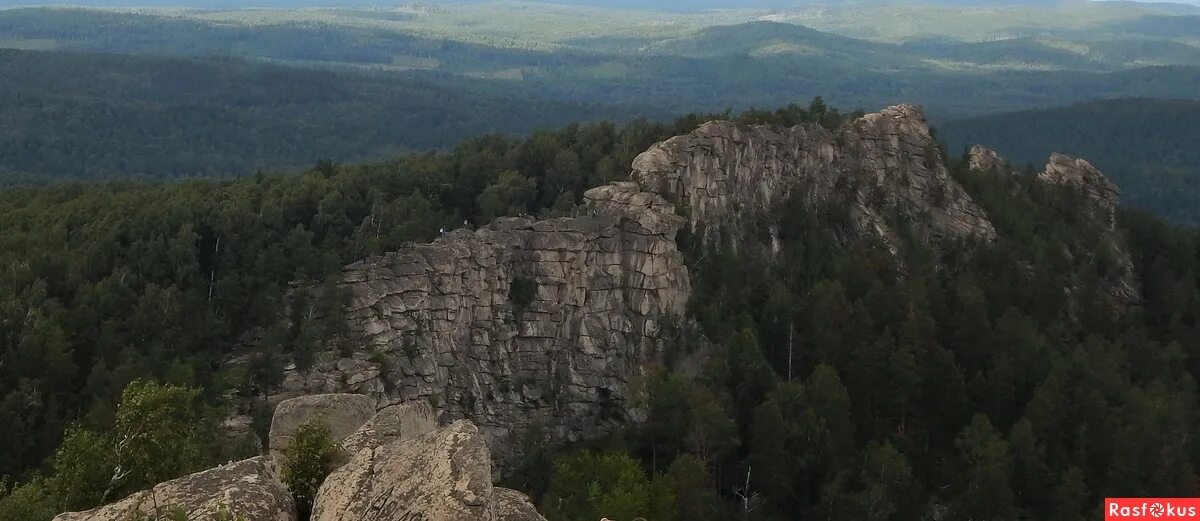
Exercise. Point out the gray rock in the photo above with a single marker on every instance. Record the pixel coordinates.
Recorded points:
(1102, 197)
(344, 413)
(248, 488)
(1063, 170)
(986, 160)
(443, 475)
(731, 177)
(510, 505)
(443, 327)
(393, 423)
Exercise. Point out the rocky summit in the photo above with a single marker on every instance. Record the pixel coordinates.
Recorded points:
(727, 177)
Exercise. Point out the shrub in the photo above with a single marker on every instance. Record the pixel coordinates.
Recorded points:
(307, 460)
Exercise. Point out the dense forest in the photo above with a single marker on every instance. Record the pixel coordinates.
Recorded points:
(976, 382)
(99, 116)
(1146, 146)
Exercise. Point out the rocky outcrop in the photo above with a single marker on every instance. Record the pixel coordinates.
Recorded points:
(1101, 197)
(443, 475)
(342, 413)
(518, 321)
(249, 488)
(727, 177)
(400, 467)
(983, 159)
(1077, 174)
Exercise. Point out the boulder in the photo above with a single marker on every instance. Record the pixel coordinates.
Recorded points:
(443, 475)
(390, 424)
(248, 488)
(344, 413)
(510, 505)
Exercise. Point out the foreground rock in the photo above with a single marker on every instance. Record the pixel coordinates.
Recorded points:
(443, 475)
(393, 423)
(510, 505)
(342, 413)
(249, 488)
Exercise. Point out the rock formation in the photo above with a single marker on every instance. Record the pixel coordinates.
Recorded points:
(248, 488)
(443, 475)
(548, 321)
(343, 413)
(983, 159)
(1080, 175)
(517, 321)
(395, 422)
(1101, 198)
(727, 176)
(400, 467)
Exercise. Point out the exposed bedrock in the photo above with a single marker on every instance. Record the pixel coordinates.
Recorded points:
(517, 322)
(728, 177)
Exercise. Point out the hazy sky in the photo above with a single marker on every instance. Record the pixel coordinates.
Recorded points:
(652, 4)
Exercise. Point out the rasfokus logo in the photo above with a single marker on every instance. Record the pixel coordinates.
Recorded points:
(1146, 508)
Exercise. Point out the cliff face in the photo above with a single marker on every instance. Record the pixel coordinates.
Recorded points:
(726, 177)
(520, 320)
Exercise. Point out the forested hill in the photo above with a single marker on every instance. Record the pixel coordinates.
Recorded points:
(100, 116)
(1147, 146)
(992, 377)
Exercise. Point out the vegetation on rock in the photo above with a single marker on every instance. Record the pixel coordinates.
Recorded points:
(306, 460)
